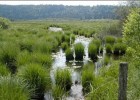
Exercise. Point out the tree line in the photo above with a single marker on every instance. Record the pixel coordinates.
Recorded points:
(27, 12)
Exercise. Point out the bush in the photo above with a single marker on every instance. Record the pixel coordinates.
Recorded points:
(37, 77)
(110, 39)
(63, 79)
(92, 51)
(108, 48)
(13, 89)
(8, 54)
(57, 92)
(69, 54)
(64, 45)
(3, 70)
(79, 51)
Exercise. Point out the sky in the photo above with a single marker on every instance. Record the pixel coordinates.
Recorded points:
(74, 3)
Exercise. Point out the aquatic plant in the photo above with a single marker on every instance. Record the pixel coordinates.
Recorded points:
(69, 54)
(108, 48)
(37, 77)
(87, 78)
(57, 92)
(119, 49)
(79, 51)
(92, 51)
(106, 60)
(110, 39)
(64, 45)
(13, 88)
(63, 79)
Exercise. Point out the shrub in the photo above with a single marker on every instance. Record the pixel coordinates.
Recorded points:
(63, 79)
(37, 77)
(64, 45)
(108, 48)
(13, 89)
(130, 52)
(110, 39)
(57, 92)
(87, 78)
(69, 54)
(8, 54)
(79, 51)
(92, 51)
(3, 70)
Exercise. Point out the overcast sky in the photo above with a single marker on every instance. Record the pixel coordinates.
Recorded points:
(84, 3)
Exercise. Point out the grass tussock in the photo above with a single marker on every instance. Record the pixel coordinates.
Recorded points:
(63, 79)
(13, 89)
(37, 77)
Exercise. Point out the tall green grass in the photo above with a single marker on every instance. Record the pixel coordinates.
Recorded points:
(79, 51)
(57, 92)
(110, 39)
(4, 71)
(87, 77)
(64, 45)
(8, 54)
(92, 51)
(12, 88)
(119, 48)
(37, 77)
(69, 54)
(108, 48)
(63, 79)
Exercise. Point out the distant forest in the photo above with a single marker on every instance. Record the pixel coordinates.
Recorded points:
(28, 12)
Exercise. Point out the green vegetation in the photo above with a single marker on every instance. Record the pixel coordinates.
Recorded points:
(119, 49)
(3, 70)
(64, 45)
(13, 89)
(8, 55)
(92, 51)
(58, 92)
(110, 39)
(26, 57)
(108, 48)
(87, 78)
(4, 23)
(79, 51)
(69, 54)
(63, 79)
(37, 78)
